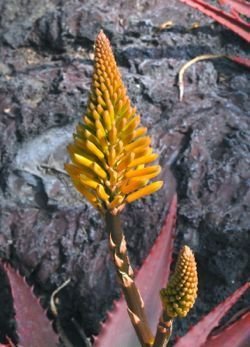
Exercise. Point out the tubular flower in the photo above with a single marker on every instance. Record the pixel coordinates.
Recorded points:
(111, 154)
(179, 296)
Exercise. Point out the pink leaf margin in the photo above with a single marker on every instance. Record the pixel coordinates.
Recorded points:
(232, 22)
(240, 60)
(199, 333)
(236, 334)
(33, 326)
(10, 343)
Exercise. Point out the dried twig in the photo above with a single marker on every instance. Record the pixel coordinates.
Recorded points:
(53, 297)
(53, 308)
(188, 64)
(53, 169)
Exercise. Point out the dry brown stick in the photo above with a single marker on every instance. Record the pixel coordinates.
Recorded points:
(188, 64)
(53, 308)
(125, 275)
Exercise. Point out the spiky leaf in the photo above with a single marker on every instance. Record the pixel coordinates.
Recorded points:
(33, 327)
(10, 343)
(232, 21)
(236, 334)
(199, 333)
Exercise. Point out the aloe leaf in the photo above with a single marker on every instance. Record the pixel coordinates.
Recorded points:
(232, 22)
(199, 333)
(10, 343)
(236, 334)
(117, 330)
(240, 60)
(33, 327)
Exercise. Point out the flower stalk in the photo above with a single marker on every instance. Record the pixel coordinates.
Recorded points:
(111, 166)
(164, 331)
(125, 275)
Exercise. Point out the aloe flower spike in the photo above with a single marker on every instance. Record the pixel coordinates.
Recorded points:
(178, 297)
(111, 156)
(111, 165)
(181, 292)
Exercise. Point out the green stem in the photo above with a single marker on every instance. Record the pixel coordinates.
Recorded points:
(164, 331)
(125, 275)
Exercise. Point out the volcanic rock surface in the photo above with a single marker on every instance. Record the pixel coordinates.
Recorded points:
(48, 231)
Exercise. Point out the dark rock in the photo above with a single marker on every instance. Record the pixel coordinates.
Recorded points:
(46, 33)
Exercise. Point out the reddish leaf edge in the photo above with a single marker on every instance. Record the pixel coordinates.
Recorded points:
(239, 6)
(236, 334)
(240, 60)
(200, 332)
(13, 274)
(10, 343)
(236, 317)
(232, 22)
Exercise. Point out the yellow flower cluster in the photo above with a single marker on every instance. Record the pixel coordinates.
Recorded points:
(179, 296)
(111, 151)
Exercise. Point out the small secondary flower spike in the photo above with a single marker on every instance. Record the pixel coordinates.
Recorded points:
(179, 296)
(111, 154)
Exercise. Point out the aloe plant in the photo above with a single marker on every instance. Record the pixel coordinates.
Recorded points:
(155, 271)
(116, 330)
(111, 166)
